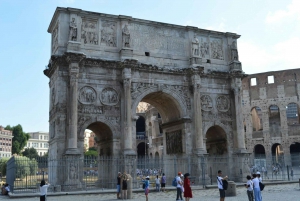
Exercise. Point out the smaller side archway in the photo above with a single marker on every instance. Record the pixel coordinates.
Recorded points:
(274, 121)
(259, 151)
(292, 114)
(256, 119)
(295, 154)
(277, 154)
(216, 141)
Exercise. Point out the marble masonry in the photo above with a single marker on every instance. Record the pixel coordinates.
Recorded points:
(102, 66)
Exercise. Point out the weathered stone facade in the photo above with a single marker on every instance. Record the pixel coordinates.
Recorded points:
(103, 65)
(271, 114)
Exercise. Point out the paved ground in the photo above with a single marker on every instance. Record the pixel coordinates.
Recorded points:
(286, 192)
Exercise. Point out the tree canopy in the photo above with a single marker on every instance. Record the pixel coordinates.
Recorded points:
(30, 153)
(20, 138)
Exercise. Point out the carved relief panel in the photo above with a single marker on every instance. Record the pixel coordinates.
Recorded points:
(174, 142)
(223, 103)
(204, 47)
(89, 32)
(216, 46)
(87, 95)
(206, 103)
(109, 96)
(109, 33)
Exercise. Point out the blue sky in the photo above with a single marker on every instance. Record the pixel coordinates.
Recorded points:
(270, 40)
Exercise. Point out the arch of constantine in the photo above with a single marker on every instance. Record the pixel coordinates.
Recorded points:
(102, 66)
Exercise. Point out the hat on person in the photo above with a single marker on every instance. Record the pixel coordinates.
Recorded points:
(258, 173)
(179, 173)
(147, 177)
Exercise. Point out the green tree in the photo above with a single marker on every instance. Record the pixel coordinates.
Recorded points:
(30, 153)
(92, 149)
(25, 166)
(3, 162)
(20, 138)
(91, 153)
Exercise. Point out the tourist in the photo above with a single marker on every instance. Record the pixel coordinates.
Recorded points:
(119, 185)
(220, 185)
(157, 183)
(163, 182)
(256, 188)
(179, 186)
(43, 190)
(146, 181)
(187, 187)
(124, 178)
(3, 191)
(258, 176)
(249, 187)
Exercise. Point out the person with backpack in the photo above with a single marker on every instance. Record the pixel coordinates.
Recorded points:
(179, 186)
(147, 183)
(256, 188)
(249, 187)
(163, 182)
(221, 186)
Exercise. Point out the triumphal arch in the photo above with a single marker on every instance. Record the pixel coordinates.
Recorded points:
(103, 65)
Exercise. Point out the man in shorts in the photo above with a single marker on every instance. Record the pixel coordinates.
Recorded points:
(220, 185)
(119, 185)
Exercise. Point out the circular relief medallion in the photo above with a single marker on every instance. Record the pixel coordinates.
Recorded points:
(206, 103)
(87, 95)
(109, 96)
(222, 103)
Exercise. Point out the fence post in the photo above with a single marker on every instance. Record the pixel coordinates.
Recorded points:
(288, 172)
(210, 175)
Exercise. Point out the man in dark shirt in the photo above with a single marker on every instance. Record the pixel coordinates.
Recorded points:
(119, 185)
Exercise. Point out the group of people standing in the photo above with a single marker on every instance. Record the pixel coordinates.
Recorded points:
(183, 187)
(122, 178)
(253, 187)
(182, 181)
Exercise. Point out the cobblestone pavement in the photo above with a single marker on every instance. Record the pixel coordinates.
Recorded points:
(286, 192)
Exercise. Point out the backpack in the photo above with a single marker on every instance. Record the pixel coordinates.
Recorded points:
(225, 184)
(174, 182)
(144, 185)
(261, 186)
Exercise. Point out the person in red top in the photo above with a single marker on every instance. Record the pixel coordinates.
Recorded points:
(187, 187)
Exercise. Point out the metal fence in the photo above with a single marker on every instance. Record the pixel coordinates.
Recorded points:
(277, 167)
(25, 175)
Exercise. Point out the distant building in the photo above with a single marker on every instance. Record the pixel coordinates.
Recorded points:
(92, 142)
(39, 141)
(5, 142)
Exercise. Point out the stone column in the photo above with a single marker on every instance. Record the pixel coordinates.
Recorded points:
(240, 134)
(128, 115)
(73, 60)
(197, 115)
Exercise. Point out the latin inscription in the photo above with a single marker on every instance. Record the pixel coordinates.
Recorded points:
(157, 38)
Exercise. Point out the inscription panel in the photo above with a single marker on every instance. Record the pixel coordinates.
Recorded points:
(145, 37)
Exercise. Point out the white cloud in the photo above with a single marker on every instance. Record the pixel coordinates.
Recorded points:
(281, 56)
(292, 10)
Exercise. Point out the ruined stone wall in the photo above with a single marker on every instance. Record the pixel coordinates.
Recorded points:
(275, 95)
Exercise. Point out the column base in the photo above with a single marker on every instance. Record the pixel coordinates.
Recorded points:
(72, 151)
(200, 151)
(241, 151)
(129, 152)
(126, 53)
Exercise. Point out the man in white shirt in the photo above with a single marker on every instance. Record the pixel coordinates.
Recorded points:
(220, 185)
(249, 187)
(257, 193)
(179, 185)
